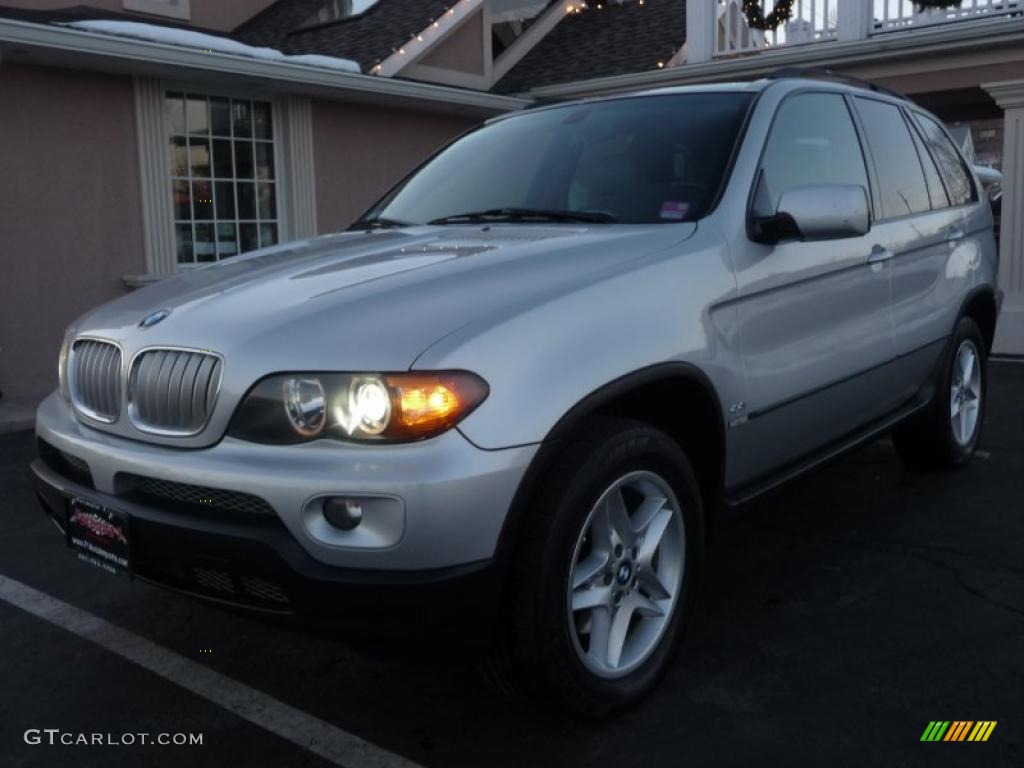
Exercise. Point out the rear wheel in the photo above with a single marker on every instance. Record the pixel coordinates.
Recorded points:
(946, 434)
(606, 568)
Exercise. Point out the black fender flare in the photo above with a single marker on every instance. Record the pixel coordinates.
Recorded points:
(575, 416)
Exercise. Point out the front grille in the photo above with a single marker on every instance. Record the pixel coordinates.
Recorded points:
(232, 582)
(236, 574)
(64, 463)
(95, 379)
(169, 493)
(173, 391)
(264, 589)
(229, 585)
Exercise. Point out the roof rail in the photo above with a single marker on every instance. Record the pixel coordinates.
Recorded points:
(817, 73)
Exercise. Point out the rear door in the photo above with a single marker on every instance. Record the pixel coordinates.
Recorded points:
(814, 317)
(920, 220)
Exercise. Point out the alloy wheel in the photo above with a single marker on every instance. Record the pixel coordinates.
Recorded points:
(626, 574)
(965, 392)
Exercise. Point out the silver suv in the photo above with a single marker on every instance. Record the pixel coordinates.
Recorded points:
(510, 400)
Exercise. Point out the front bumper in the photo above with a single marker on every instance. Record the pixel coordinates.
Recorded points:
(261, 567)
(452, 497)
(454, 500)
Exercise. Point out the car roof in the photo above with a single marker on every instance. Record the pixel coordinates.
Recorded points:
(787, 79)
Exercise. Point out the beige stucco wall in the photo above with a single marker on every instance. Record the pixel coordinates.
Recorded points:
(209, 14)
(462, 50)
(361, 151)
(70, 220)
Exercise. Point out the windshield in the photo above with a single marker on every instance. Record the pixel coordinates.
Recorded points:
(651, 159)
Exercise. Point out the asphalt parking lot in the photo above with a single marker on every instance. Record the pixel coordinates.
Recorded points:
(838, 618)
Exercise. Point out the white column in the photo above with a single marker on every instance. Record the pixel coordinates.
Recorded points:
(700, 30)
(296, 167)
(853, 19)
(154, 180)
(1010, 326)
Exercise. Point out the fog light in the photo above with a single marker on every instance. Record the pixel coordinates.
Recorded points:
(343, 513)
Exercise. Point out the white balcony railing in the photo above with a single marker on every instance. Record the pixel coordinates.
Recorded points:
(903, 14)
(812, 21)
(719, 29)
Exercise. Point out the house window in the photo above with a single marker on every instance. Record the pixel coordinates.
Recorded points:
(222, 176)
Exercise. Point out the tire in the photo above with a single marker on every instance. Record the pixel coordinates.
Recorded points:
(946, 434)
(557, 654)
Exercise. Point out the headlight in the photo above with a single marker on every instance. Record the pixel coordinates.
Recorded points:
(62, 368)
(387, 407)
(305, 405)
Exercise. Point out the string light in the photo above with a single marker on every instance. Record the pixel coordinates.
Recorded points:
(583, 5)
(576, 8)
(573, 6)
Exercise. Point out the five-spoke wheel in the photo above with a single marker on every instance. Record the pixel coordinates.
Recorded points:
(965, 392)
(604, 575)
(626, 572)
(945, 434)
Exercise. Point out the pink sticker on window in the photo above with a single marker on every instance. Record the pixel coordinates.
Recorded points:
(675, 210)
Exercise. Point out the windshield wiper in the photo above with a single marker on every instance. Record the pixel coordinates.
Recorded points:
(379, 223)
(525, 214)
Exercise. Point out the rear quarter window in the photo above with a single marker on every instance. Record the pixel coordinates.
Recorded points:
(951, 164)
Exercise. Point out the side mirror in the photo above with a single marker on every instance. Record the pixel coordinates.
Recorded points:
(819, 212)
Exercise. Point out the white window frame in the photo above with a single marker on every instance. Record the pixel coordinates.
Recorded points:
(293, 169)
(234, 180)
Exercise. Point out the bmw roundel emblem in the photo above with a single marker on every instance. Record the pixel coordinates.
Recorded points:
(153, 318)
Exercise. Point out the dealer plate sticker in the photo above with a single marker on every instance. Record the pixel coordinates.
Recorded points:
(99, 534)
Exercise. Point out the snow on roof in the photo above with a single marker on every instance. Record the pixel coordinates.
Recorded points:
(189, 39)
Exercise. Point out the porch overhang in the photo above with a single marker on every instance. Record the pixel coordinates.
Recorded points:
(987, 36)
(57, 46)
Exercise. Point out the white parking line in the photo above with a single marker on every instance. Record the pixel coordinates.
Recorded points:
(311, 733)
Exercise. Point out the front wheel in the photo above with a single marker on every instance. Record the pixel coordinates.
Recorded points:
(946, 434)
(606, 570)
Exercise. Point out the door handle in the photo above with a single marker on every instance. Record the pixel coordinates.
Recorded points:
(879, 254)
(954, 233)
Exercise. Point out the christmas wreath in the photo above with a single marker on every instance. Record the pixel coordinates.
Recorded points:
(756, 18)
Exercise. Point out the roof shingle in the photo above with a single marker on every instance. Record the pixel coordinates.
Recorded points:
(368, 38)
(614, 39)
(608, 38)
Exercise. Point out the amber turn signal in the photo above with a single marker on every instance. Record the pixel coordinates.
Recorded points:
(424, 405)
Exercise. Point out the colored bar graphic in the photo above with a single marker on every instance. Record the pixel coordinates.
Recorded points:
(958, 730)
(983, 730)
(935, 730)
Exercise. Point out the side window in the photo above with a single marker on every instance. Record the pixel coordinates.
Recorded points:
(936, 189)
(813, 141)
(958, 180)
(900, 176)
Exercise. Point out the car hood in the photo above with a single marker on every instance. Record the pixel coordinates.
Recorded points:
(358, 301)
(366, 301)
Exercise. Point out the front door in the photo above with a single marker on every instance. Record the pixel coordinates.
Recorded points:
(815, 317)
